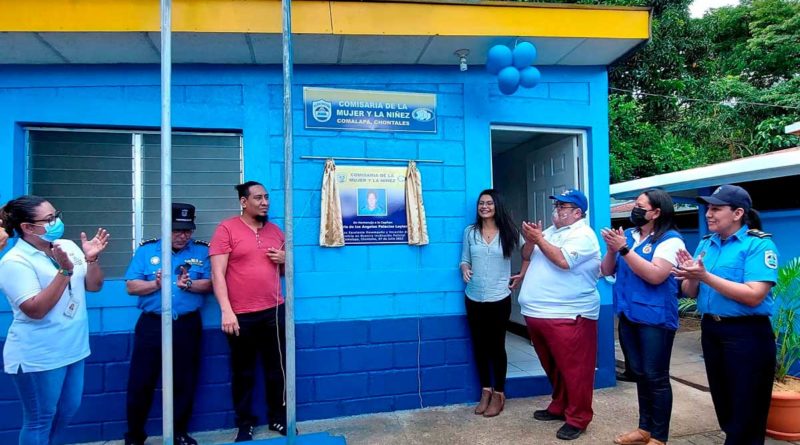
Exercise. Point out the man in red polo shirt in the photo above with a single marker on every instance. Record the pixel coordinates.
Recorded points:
(247, 257)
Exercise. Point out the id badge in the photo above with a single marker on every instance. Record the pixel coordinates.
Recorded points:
(72, 307)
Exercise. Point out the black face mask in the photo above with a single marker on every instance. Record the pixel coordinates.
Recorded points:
(638, 217)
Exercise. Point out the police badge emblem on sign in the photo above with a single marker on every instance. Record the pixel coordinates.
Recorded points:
(771, 259)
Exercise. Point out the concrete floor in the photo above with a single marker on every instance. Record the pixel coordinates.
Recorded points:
(693, 423)
(616, 411)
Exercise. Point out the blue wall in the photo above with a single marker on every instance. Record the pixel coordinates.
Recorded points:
(362, 311)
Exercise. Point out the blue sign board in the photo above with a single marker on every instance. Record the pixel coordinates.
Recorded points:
(360, 110)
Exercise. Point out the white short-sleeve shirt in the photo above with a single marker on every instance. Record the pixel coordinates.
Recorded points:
(549, 291)
(61, 337)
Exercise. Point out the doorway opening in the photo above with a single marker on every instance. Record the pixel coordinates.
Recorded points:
(528, 165)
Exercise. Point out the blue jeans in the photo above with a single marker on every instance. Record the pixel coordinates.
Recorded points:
(49, 400)
(649, 349)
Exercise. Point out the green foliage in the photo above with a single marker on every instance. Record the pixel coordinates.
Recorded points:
(786, 317)
(687, 307)
(732, 59)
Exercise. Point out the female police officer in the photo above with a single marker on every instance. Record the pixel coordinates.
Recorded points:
(731, 275)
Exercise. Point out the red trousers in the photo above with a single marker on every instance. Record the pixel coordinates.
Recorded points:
(567, 350)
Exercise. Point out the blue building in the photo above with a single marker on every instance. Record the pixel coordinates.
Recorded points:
(379, 327)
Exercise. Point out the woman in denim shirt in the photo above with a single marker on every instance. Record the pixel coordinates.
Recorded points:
(486, 268)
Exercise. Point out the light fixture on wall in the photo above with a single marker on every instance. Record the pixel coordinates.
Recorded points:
(462, 58)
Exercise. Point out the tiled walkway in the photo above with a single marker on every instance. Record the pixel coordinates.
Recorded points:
(522, 360)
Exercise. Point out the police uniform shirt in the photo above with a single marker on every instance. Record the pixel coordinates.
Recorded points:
(147, 262)
(742, 258)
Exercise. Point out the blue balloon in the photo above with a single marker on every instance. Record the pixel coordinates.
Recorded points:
(524, 54)
(499, 57)
(529, 77)
(508, 80)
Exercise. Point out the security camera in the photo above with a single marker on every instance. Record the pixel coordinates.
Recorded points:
(462, 59)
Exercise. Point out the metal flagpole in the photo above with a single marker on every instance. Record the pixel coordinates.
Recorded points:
(288, 225)
(166, 220)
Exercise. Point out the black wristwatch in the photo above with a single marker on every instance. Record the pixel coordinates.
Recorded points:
(188, 284)
(624, 250)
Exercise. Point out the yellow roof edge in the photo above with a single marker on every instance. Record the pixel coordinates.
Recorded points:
(388, 18)
(508, 3)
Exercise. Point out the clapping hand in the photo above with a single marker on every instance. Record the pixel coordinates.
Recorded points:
(614, 238)
(61, 258)
(183, 278)
(93, 247)
(532, 232)
(688, 268)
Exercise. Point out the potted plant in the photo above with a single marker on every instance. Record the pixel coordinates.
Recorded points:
(784, 413)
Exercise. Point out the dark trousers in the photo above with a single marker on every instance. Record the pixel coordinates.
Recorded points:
(740, 362)
(649, 350)
(627, 372)
(261, 334)
(145, 370)
(567, 349)
(487, 324)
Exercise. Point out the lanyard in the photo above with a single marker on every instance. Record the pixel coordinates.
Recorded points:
(55, 264)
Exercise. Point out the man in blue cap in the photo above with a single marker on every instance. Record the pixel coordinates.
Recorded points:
(191, 282)
(561, 305)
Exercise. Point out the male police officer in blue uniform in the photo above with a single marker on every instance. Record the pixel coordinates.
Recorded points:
(192, 280)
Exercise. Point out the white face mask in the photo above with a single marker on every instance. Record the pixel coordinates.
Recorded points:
(556, 216)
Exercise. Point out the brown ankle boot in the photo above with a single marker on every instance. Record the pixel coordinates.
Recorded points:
(486, 395)
(495, 405)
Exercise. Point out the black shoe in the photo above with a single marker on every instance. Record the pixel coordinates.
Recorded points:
(184, 439)
(245, 434)
(623, 377)
(568, 432)
(546, 415)
(281, 428)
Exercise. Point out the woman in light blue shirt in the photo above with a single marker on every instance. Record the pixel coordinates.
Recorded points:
(486, 268)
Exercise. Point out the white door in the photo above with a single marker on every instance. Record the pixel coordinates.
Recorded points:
(550, 170)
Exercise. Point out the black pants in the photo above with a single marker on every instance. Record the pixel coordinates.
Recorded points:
(649, 351)
(262, 334)
(740, 362)
(487, 325)
(145, 370)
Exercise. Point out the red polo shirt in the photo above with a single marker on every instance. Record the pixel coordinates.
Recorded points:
(254, 282)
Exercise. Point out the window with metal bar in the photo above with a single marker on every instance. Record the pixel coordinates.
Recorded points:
(112, 179)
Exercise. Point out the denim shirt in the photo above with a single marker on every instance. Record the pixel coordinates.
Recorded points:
(491, 271)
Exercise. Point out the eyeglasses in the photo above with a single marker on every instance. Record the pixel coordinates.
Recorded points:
(560, 206)
(486, 204)
(49, 220)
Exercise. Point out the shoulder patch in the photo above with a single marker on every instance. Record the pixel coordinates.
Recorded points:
(148, 241)
(759, 234)
(201, 242)
(771, 259)
(708, 236)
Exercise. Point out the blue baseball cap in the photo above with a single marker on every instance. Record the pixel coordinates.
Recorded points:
(573, 196)
(728, 195)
